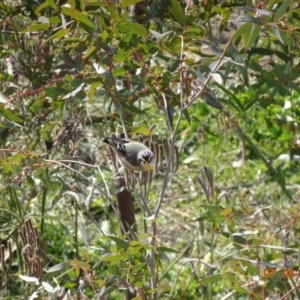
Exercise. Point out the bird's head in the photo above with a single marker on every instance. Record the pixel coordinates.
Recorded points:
(147, 160)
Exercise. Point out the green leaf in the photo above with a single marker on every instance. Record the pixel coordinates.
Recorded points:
(282, 10)
(79, 263)
(187, 116)
(119, 71)
(166, 249)
(45, 178)
(59, 34)
(127, 3)
(36, 105)
(142, 128)
(119, 242)
(251, 269)
(41, 7)
(7, 167)
(51, 3)
(173, 65)
(45, 135)
(54, 20)
(95, 5)
(245, 28)
(77, 15)
(249, 19)
(175, 44)
(37, 27)
(138, 267)
(92, 90)
(9, 115)
(281, 36)
(135, 28)
(17, 158)
(253, 36)
(54, 91)
(211, 279)
(178, 13)
(30, 180)
(160, 36)
(90, 51)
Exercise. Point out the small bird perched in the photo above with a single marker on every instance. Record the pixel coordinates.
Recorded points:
(133, 156)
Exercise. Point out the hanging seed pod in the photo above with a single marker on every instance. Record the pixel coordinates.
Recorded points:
(175, 162)
(129, 180)
(166, 147)
(207, 182)
(155, 150)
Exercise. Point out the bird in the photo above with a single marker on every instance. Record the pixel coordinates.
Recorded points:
(132, 155)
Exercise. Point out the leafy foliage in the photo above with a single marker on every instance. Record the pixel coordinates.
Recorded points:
(218, 79)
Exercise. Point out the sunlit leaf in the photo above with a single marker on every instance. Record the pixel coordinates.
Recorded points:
(43, 19)
(125, 3)
(2, 98)
(217, 77)
(42, 6)
(47, 287)
(138, 267)
(63, 21)
(119, 71)
(79, 263)
(84, 234)
(142, 129)
(160, 36)
(18, 158)
(28, 278)
(264, 12)
(135, 28)
(37, 27)
(282, 10)
(89, 52)
(59, 34)
(245, 28)
(36, 105)
(51, 3)
(252, 36)
(58, 268)
(93, 88)
(281, 36)
(175, 44)
(9, 115)
(77, 15)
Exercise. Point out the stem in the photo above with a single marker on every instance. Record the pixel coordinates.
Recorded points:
(43, 211)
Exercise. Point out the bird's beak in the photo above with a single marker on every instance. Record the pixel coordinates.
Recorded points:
(148, 167)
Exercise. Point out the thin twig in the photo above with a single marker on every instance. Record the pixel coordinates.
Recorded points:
(208, 78)
(166, 177)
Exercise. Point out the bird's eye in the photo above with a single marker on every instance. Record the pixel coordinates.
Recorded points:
(145, 159)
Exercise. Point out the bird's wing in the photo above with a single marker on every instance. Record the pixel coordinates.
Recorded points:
(120, 144)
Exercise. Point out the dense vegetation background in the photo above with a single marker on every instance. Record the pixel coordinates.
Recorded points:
(213, 86)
